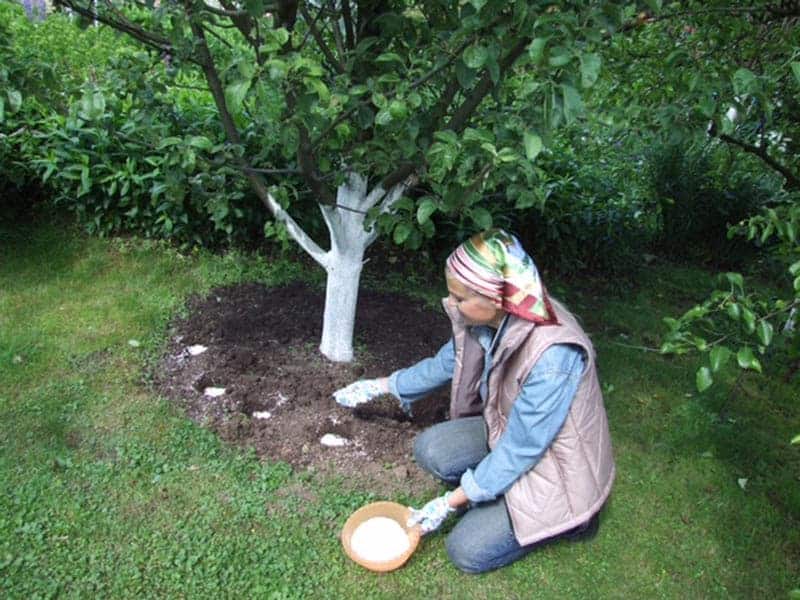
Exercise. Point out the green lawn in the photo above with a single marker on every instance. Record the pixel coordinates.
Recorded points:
(107, 491)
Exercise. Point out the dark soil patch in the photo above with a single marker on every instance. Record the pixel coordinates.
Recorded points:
(262, 349)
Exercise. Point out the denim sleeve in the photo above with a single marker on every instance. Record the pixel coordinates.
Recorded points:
(536, 418)
(416, 382)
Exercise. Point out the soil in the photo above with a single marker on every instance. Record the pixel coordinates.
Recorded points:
(262, 348)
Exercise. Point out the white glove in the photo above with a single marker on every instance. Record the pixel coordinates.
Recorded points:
(360, 392)
(431, 516)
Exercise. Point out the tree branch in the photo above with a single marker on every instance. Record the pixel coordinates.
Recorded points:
(307, 162)
(792, 180)
(232, 133)
(339, 68)
(120, 24)
(463, 113)
(348, 25)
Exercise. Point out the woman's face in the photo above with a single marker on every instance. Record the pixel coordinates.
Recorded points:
(476, 309)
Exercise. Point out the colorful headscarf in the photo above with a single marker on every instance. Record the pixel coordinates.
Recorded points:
(494, 264)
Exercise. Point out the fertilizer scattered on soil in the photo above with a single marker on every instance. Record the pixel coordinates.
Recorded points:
(379, 539)
(262, 414)
(213, 392)
(333, 440)
(263, 350)
(196, 349)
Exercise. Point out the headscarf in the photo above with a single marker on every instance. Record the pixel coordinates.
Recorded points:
(494, 264)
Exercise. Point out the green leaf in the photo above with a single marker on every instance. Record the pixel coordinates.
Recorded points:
(278, 69)
(743, 81)
(796, 70)
(235, 95)
(797, 284)
(398, 109)
(796, 440)
(747, 359)
(560, 57)
(536, 49)
(507, 155)
(446, 136)
(478, 4)
(86, 182)
(735, 279)
(533, 145)
(794, 269)
(480, 136)
(590, 69)
(734, 311)
(749, 319)
(200, 141)
(14, 101)
(475, 57)
(765, 332)
(2, 110)
(401, 233)
(465, 75)
(703, 379)
(719, 356)
(425, 209)
(482, 217)
(319, 87)
(573, 104)
(707, 106)
(384, 117)
(387, 57)
(169, 141)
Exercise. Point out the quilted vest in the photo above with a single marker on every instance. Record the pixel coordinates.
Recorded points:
(573, 478)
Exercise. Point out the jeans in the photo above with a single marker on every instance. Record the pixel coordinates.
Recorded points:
(483, 539)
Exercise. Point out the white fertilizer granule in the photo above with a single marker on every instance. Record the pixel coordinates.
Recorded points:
(213, 392)
(331, 439)
(379, 539)
(262, 414)
(196, 349)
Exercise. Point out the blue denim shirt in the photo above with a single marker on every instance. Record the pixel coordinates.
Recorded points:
(536, 417)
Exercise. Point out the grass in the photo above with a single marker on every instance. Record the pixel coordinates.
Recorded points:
(108, 491)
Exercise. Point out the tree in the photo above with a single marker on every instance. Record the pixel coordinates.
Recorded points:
(375, 96)
(724, 74)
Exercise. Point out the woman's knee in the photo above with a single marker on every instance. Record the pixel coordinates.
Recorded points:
(464, 556)
(425, 452)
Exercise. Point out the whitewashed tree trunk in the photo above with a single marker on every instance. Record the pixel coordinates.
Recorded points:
(343, 262)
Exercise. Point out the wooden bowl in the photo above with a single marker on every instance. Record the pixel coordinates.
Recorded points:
(392, 510)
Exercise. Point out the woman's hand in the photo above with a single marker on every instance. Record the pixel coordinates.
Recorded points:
(361, 391)
(431, 516)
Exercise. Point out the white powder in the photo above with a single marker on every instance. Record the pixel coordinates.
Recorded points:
(196, 349)
(379, 539)
(262, 414)
(213, 392)
(333, 440)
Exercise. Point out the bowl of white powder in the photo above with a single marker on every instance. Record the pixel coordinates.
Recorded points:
(376, 536)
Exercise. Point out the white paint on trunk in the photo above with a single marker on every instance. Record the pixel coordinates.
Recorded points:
(343, 262)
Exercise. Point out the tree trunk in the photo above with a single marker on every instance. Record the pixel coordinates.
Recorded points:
(343, 262)
(341, 298)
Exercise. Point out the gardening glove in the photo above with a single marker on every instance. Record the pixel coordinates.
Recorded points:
(359, 392)
(431, 516)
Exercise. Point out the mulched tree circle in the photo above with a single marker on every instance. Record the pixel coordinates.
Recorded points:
(260, 345)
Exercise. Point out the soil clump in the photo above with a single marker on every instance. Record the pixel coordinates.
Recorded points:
(261, 347)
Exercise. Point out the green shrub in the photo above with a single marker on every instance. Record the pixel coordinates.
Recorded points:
(115, 139)
(597, 214)
(701, 192)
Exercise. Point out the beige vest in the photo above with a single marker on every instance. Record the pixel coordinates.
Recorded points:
(573, 478)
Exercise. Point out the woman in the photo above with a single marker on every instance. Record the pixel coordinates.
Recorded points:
(527, 445)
